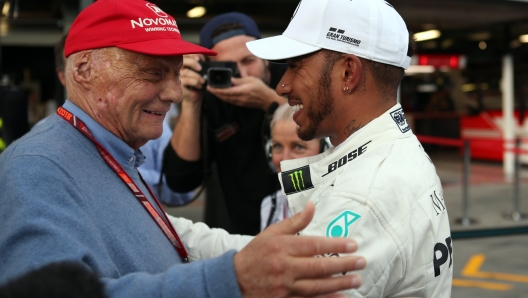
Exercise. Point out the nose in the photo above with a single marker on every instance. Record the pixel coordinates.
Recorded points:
(284, 86)
(172, 90)
(287, 154)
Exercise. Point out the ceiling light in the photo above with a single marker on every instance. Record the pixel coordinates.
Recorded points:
(196, 12)
(483, 45)
(5, 9)
(480, 36)
(427, 88)
(447, 43)
(416, 69)
(523, 38)
(426, 35)
(468, 87)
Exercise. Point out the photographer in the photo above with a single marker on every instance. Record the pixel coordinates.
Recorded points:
(221, 127)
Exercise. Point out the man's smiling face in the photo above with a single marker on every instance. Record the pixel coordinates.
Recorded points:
(308, 85)
(134, 92)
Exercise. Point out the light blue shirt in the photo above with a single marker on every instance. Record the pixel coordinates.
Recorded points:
(148, 160)
(151, 170)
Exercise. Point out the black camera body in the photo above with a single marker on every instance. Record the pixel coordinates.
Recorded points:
(218, 74)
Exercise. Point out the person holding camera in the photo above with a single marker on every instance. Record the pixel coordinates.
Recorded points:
(220, 128)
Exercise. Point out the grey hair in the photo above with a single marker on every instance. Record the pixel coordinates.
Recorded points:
(283, 112)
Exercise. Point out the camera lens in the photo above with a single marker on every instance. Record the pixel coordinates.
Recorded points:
(219, 77)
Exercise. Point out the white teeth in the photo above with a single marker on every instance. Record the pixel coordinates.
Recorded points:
(296, 108)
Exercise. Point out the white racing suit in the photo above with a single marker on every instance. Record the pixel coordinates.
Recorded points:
(203, 242)
(381, 189)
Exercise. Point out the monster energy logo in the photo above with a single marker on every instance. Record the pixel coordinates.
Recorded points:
(295, 180)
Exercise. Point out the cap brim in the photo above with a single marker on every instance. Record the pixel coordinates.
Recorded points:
(166, 47)
(279, 48)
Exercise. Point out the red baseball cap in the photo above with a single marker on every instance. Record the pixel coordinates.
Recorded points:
(133, 25)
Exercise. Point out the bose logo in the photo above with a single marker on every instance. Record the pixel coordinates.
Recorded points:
(347, 158)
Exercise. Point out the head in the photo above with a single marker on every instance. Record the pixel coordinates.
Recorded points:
(285, 144)
(60, 60)
(122, 75)
(227, 34)
(346, 60)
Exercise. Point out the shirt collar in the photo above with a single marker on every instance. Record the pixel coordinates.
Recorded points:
(123, 153)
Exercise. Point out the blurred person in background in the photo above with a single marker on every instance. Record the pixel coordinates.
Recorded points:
(218, 135)
(346, 60)
(71, 190)
(284, 145)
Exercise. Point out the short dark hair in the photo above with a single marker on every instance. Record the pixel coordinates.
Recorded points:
(59, 53)
(387, 77)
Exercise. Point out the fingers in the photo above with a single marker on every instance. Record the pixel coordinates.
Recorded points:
(192, 62)
(318, 245)
(293, 224)
(309, 268)
(310, 287)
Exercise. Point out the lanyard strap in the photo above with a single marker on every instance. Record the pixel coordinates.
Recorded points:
(161, 220)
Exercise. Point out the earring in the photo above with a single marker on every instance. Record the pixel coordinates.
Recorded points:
(346, 90)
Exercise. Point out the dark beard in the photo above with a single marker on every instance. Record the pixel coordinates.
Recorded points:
(319, 107)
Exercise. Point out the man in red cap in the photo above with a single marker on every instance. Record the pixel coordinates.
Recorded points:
(71, 190)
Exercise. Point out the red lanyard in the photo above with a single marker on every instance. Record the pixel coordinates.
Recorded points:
(164, 223)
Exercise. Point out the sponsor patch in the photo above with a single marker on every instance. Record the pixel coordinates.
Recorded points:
(399, 117)
(347, 158)
(339, 226)
(297, 180)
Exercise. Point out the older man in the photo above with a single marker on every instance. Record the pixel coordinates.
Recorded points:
(378, 186)
(71, 190)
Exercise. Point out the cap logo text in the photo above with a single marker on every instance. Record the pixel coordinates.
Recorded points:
(155, 24)
(337, 35)
(157, 10)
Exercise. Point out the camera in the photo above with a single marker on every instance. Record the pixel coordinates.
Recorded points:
(218, 74)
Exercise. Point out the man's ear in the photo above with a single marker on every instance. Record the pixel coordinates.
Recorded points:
(61, 76)
(82, 69)
(351, 71)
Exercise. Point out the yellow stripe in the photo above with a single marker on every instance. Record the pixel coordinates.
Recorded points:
(481, 284)
(475, 262)
(473, 265)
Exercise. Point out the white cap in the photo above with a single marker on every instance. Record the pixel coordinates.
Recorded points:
(371, 29)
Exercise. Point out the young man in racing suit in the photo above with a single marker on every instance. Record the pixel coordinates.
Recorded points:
(377, 185)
